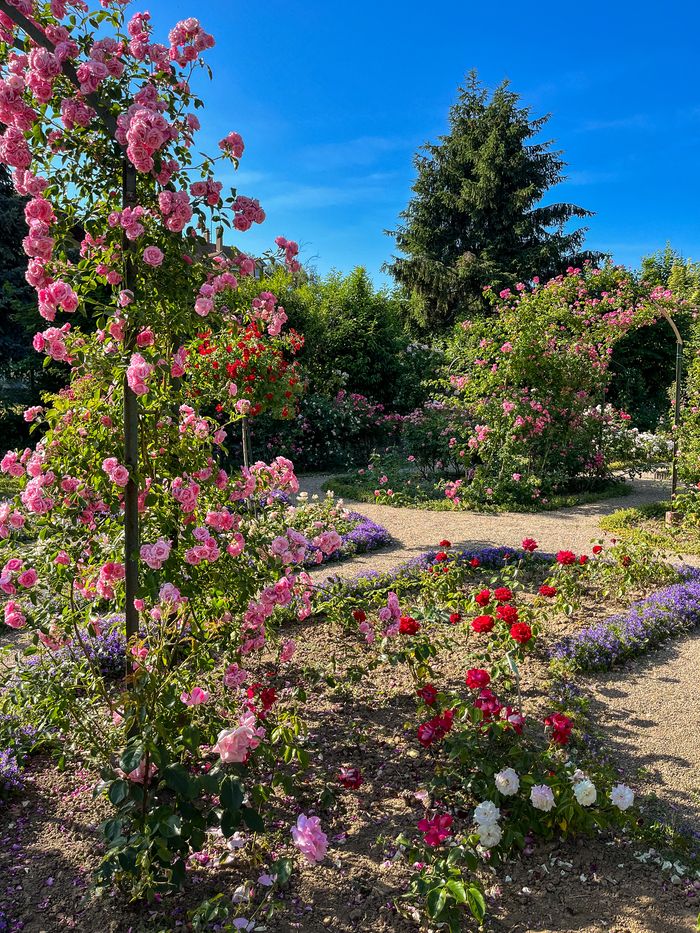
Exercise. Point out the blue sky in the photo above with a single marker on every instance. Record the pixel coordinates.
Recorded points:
(332, 99)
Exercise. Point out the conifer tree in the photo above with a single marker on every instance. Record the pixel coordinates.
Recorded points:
(476, 217)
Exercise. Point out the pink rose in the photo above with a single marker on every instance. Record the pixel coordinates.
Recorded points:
(153, 256)
(310, 839)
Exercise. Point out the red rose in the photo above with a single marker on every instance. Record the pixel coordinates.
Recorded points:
(529, 544)
(597, 548)
(561, 727)
(408, 625)
(483, 623)
(445, 543)
(566, 557)
(547, 590)
(268, 696)
(359, 615)
(476, 678)
(626, 561)
(475, 562)
(436, 728)
(483, 598)
(428, 694)
(503, 594)
(440, 556)
(455, 617)
(488, 703)
(515, 720)
(583, 559)
(350, 778)
(521, 632)
(507, 614)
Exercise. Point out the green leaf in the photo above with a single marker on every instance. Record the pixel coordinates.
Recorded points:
(252, 819)
(231, 794)
(118, 792)
(230, 822)
(131, 756)
(456, 889)
(436, 900)
(476, 902)
(178, 779)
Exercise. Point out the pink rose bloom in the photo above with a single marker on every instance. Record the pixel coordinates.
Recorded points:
(62, 558)
(145, 338)
(153, 256)
(139, 776)
(195, 698)
(28, 578)
(288, 650)
(310, 839)
(233, 745)
(234, 676)
(120, 476)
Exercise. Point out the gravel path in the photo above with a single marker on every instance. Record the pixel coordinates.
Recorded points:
(650, 713)
(417, 530)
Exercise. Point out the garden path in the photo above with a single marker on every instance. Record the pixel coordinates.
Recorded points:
(418, 530)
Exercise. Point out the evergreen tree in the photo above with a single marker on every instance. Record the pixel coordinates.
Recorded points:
(476, 217)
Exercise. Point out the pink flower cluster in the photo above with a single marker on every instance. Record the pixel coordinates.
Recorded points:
(176, 209)
(210, 190)
(144, 131)
(291, 547)
(117, 473)
(247, 212)
(265, 308)
(155, 555)
(234, 745)
(204, 304)
(138, 373)
(187, 41)
(52, 342)
(10, 519)
(232, 145)
(291, 250)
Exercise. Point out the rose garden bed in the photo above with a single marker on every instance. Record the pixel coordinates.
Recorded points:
(362, 713)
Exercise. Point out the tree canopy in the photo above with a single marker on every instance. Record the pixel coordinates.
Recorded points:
(476, 217)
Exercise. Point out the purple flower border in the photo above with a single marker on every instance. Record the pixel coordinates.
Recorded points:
(668, 613)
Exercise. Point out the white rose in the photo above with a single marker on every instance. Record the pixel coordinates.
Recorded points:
(585, 793)
(542, 797)
(507, 782)
(622, 796)
(489, 835)
(486, 813)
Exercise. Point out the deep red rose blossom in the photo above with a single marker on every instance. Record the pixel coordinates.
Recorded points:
(583, 559)
(359, 615)
(503, 594)
(445, 543)
(483, 598)
(455, 617)
(597, 548)
(530, 545)
(561, 727)
(476, 678)
(547, 590)
(441, 556)
(566, 557)
(475, 562)
(508, 614)
(483, 623)
(428, 694)
(521, 632)
(408, 625)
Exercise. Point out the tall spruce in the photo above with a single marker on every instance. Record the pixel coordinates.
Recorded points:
(476, 218)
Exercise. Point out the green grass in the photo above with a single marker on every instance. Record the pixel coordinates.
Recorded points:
(351, 486)
(648, 521)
